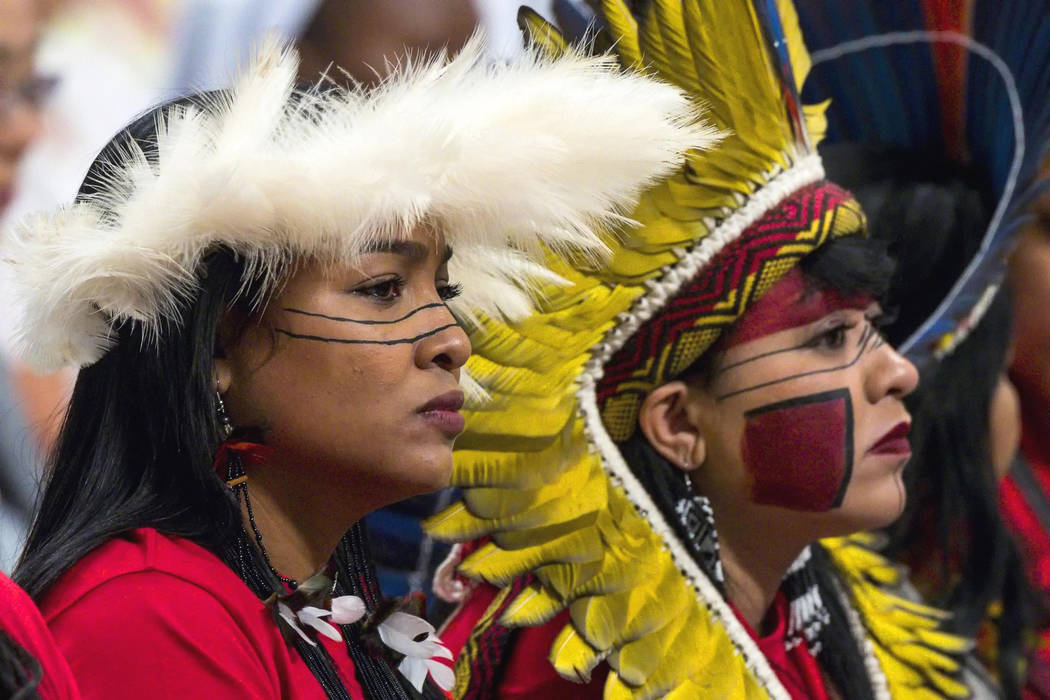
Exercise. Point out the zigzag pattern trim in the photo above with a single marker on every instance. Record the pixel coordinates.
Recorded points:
(687, 326)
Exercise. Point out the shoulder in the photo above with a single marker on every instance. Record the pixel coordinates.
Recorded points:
(21, 621)
(149, 609)
(145, 556)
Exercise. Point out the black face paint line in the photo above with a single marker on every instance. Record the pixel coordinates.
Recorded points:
(865, 346)
(800, 451)
(761, 356)
(342, 319)
(347, 341)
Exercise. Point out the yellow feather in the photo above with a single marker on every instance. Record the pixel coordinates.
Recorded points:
(533, 606)
(540, 33)
(502, 503)
(623, 30)
(501, 566)
(516, 470)
(572, 657)
(669, 20)
(565, 580)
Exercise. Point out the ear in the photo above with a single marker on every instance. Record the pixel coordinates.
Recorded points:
(222, 369)
(669, 422)
(223, 374)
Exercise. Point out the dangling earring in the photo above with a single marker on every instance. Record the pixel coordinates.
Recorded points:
(237, 479)
(224, 418)
(698, 523)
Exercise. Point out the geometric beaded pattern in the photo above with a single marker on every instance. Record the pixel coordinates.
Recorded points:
(691, 321)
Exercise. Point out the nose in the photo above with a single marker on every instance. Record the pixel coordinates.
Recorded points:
(890, 374)
(448, 348)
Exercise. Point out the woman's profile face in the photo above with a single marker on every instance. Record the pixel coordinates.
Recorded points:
(353, 372)
(804, 412)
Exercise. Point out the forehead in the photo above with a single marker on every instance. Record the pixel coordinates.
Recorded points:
(421, 252)
(790, 303)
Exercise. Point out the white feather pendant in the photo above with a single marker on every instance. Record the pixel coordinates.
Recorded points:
(508, 161)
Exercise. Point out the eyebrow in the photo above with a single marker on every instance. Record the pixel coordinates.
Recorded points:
(409, 249)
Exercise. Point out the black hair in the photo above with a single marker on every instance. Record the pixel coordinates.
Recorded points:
(933, 213)
(851, 265)
(20, 673)
(136, 450)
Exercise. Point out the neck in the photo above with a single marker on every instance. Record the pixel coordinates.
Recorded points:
(301, 516)
(754, 567)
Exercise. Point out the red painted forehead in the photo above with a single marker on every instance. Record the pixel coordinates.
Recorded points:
(789, 304)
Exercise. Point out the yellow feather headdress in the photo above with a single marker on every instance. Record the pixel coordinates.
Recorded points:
(539, 464)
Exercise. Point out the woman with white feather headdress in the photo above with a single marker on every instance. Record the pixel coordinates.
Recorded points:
(257, 286)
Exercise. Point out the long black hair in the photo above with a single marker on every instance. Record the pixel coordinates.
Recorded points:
(136, 450)
(932, 214)
(851, 265)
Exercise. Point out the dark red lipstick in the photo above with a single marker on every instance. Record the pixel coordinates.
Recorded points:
(894, 442)
(443, 412)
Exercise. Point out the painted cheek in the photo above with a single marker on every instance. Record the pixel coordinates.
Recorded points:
(799, 452)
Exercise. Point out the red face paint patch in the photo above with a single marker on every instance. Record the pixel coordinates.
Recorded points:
(800, 451)
(788, 304)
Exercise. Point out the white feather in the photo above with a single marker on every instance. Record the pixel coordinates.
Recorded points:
(509, 161)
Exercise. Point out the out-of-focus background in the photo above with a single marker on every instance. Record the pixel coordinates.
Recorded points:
(73, 72)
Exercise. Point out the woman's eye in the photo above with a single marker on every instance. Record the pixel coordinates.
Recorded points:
(833, 338)
(450, 291)
(385, 290)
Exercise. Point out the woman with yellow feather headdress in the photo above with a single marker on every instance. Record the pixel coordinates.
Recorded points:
(724, 368)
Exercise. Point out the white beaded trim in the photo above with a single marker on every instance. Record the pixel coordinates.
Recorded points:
(805, 171)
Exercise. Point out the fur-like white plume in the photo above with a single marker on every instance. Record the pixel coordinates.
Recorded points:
(501, 158)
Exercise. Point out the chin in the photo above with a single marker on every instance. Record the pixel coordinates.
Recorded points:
(873, 511)
(431, 474)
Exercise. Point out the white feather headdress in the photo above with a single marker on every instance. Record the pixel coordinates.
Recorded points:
(500, 158)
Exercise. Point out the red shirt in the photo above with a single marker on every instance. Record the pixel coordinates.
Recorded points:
(21, 620)
(151, 616)
(528, 672)
(796, 668)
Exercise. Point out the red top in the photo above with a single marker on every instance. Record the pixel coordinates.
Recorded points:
(147, 615)
(796, 668)
(21, 620)
(1019, 510)
(528, 672)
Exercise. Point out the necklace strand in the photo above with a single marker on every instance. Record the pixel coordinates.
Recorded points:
(235, 472)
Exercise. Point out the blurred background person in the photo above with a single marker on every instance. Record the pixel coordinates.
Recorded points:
(30, 664)
(1025, 493)
(22, 90)
(87, 69)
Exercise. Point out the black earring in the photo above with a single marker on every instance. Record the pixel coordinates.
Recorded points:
(698, 522)
(224, 419)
